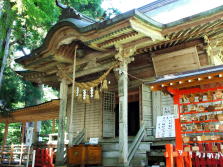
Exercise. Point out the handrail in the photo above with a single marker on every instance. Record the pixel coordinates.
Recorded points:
(79, 138)
(9, 154)
(136, 142)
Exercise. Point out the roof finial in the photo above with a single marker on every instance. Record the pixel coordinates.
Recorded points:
(67, 12)
(60, 5)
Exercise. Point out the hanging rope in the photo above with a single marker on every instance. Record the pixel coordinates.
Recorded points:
(97, 82)
(94, 83)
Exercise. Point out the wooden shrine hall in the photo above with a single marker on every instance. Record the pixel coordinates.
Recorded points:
(41, 112)
(103, 69)
(16, 155)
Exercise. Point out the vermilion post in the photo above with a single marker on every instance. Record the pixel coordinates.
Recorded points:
(169, 155)
(179, 140)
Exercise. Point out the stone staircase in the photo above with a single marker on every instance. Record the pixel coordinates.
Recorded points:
(111, 154)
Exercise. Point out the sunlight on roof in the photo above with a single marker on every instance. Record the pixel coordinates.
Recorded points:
(125, 5)
(182, 9)
(168, 13)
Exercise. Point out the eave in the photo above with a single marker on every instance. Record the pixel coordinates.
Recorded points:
(188, 79)
(41, 112)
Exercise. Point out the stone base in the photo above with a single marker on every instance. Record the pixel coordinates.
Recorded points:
(60, 164)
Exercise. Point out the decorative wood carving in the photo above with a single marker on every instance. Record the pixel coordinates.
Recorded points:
(124, 54)
(214, 50)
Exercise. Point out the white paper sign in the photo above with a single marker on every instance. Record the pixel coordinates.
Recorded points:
(93, 141)
(167, 110)
(165, 126)
(29, 136)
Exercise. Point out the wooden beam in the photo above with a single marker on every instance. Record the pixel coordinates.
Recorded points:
(146, 29)
(140, 43)
(86, 59)
(61, 126)
(92, 56)
(120, 39)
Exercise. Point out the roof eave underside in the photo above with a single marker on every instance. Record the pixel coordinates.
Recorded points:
(187, 75)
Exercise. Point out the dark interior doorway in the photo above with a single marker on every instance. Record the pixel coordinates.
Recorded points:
(133, 119)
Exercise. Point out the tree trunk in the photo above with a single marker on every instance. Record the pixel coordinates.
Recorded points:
(5, 53)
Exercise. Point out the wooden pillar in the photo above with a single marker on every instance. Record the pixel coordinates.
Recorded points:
(35, 133)
(53, 125)
(23, 132)
(156, 107)
(61, 125)
(5, 134)
(124, 58)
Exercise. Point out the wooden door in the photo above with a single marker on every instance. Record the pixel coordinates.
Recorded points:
(108, 103)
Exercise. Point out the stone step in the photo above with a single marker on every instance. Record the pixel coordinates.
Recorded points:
(143, 147)
(111, 154)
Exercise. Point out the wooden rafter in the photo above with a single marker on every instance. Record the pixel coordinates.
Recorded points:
(190, 34)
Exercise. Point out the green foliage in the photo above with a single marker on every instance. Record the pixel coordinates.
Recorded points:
(6, 19)
(31, 94)
(46, 128)
(2, 126)
(33, 20)
(14, 133)
(91, 8)
(16, 92)
(12, 90)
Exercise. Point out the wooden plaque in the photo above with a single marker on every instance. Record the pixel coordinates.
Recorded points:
(178, 61)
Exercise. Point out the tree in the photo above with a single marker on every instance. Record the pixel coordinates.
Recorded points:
(91, 8)
(6, 21)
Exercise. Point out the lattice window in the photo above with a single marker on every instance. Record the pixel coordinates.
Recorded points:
(108, 114)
